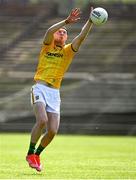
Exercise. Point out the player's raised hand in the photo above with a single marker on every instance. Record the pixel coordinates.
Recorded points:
(74, 16)
(91, 9)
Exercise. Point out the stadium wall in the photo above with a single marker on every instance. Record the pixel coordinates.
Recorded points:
(101, 101)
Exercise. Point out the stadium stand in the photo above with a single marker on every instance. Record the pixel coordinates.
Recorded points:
(98, 93)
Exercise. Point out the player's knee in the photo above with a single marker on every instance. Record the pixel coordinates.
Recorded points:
(52, 132)
(42, 122)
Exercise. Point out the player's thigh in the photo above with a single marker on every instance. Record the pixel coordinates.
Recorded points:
(40, 112)
(53, 122)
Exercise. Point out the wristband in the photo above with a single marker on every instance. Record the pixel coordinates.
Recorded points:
(66, 21)
(90, 20)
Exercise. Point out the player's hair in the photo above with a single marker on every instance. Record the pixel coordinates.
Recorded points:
(64, 27)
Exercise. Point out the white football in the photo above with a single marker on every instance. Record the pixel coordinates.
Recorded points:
(99, 16)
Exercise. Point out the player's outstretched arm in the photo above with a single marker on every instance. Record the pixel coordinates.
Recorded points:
(77, 41)
(73, 17)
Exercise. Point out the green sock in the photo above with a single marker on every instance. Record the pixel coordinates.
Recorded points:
(31, 148)
(39, 150)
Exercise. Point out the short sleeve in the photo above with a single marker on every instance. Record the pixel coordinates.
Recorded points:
(69, 51)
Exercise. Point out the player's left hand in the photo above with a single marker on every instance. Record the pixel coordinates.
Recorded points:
(91, 9)
(74, 16)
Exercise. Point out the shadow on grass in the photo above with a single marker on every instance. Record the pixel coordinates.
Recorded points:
(32, 174)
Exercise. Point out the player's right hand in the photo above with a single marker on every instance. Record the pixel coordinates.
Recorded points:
(74, 16)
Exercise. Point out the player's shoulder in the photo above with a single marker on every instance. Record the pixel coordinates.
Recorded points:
(69, 47)
(46, 46)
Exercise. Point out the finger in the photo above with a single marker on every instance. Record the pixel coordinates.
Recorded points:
(72, 11)
(77, 18)
(74, 20)
(91, 9)
(77, 10)
(78, 13)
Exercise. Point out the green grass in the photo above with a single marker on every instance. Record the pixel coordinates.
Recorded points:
(70, 157)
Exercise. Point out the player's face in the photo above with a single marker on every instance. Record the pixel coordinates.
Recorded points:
(60, 36)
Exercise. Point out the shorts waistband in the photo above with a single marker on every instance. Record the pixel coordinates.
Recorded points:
(46, 84)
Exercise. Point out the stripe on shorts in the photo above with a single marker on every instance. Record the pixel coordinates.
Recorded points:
(32, 96)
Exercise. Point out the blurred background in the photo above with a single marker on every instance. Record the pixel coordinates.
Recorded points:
(99, 90)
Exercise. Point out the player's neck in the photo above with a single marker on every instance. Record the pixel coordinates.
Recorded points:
(59, 44)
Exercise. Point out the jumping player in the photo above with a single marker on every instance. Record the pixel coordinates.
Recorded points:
(54, 60)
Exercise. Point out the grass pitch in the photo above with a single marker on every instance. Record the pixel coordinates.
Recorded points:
(70, 157)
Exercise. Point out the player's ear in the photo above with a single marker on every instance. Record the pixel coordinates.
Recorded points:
(66, 38)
